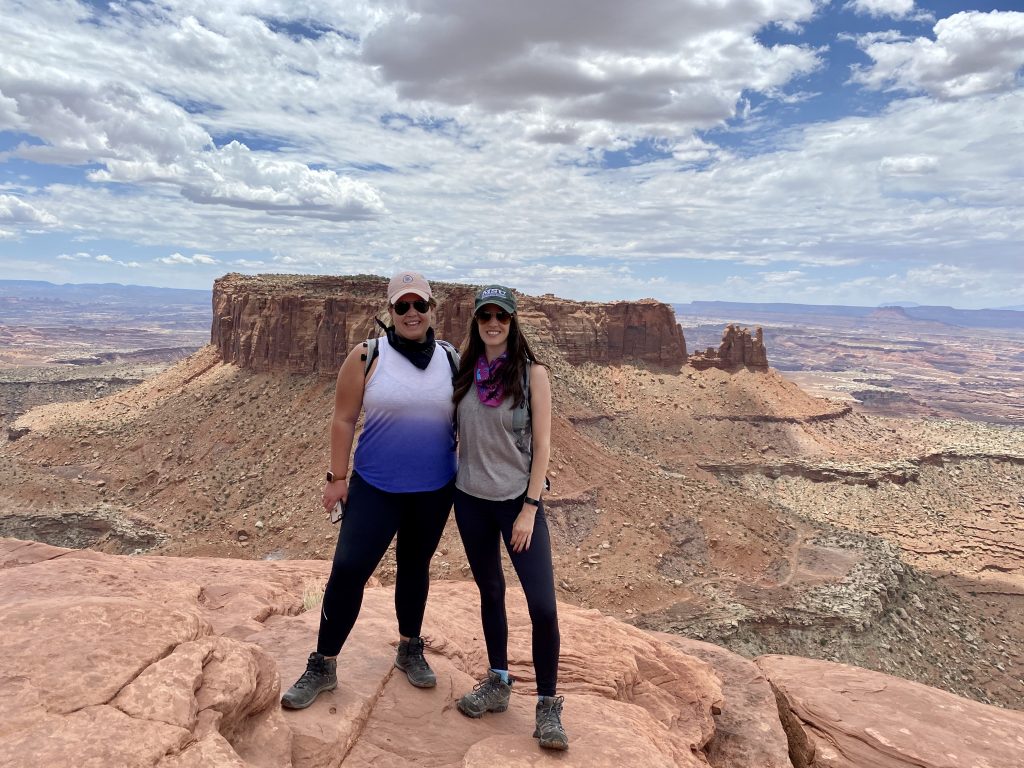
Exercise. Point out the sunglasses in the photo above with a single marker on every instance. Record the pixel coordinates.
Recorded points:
(401, 307)
(501, 315)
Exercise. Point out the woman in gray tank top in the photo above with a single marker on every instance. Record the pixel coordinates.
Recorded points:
(504, 418)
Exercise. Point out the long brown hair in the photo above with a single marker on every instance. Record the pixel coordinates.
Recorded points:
(519, 353)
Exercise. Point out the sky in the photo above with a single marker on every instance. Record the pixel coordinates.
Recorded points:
(848, 152)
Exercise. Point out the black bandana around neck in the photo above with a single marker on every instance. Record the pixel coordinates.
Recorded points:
(419, 353)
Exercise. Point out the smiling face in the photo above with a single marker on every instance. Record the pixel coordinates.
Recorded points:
(493, 332)
(413, 325)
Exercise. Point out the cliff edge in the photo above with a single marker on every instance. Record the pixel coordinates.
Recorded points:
(302, 324)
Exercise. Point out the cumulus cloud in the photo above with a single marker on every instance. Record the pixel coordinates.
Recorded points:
(665, 67)
(102, 258)
(14, 210)
(142, 138)
(973, 53)
(909, 165)
(236, 176)
(894, 8)
(105, 259)
(783, 278)
(267, 136)
(177, 258)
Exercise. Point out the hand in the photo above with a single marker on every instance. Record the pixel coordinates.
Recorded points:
(522, 528)
(334, 491)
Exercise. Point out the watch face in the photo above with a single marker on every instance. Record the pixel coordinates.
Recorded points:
(330, 476)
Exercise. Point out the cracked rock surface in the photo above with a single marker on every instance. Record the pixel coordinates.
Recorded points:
(109, 660)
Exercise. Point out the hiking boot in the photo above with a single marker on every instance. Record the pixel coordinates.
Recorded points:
(489, 695)
(321, 675)
(410, 660)
(549, 723)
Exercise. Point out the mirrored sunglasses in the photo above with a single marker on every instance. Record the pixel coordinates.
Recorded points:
(421, 306)
(485, 317)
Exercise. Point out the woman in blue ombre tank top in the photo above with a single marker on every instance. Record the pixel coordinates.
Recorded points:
(402, 482)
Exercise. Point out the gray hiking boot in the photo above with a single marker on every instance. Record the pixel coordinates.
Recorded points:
(321, 675)
(549, 723)
(489, 695)
(410, 660)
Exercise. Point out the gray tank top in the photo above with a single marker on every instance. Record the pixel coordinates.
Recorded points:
(491, 466)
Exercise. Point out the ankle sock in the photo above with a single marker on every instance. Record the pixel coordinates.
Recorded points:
(503, 673)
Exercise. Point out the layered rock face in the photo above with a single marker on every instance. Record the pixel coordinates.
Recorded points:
(304, 324)
(738, 348)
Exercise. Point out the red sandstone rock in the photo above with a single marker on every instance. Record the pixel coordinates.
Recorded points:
(308, 324)
(738, 348)
(117, 661)
(846, 717)
(748, 732)
(176, 662)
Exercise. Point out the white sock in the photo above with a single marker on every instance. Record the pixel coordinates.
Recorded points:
(503, 673)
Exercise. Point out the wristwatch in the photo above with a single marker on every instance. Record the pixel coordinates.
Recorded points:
(531, 501)
(330, 477)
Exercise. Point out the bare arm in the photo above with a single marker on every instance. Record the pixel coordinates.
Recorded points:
(348, 401)
(540, 416)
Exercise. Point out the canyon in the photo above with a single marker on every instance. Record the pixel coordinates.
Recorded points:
(715, 502)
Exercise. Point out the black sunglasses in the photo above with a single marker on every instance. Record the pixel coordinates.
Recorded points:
(485, 317)
(401, 307)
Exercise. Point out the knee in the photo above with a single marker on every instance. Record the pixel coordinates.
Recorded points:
(492, 593)
(544, 615)
(349, 571)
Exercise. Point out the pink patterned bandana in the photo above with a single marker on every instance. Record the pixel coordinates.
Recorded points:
(488, 380)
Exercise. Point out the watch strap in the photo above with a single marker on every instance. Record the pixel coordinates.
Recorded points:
(531, 501)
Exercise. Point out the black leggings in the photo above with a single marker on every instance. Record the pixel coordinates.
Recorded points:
(482, 524)
(372, 518)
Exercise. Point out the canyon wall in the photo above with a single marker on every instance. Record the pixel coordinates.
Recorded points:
(303, 324)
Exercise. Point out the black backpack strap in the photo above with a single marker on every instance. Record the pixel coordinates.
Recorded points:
(522, 416)
(453, 357)
(521, 413)
(371, 353)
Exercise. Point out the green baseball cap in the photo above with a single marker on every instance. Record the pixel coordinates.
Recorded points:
(496, 294)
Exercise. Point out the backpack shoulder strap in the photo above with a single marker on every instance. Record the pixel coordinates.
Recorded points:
(521, 413)
(453, 356)
(371, 353)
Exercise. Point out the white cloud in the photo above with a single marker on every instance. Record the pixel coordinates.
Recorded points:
(909, 165)
(894, 8)
(210, 135)
(783, 278)
(14, 210)
(973, 53)
(102, 258)
(141, 137)
(234, 175)
(177, 258)
(662, 67)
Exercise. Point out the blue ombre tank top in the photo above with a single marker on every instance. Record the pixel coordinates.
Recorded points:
(408, 438)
